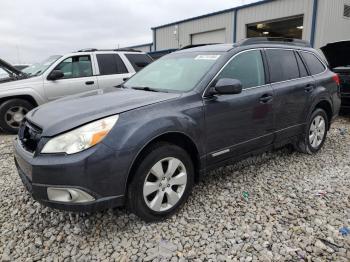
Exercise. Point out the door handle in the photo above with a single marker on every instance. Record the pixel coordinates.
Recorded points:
(309, 88)
(88, 83)
(266, 98)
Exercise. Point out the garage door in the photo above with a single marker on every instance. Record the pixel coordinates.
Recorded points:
(217, 36)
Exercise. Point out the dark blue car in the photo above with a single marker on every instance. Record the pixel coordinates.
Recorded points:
(146, 143)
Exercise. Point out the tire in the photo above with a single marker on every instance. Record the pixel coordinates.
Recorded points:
(143, 203)
(305, 144)
(12, 113)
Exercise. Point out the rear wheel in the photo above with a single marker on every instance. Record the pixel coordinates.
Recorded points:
(162, 182)
(12, 113)
(315, 134)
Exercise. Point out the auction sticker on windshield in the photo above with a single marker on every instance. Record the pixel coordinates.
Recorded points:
(207, 57)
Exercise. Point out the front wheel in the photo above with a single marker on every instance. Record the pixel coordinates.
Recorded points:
(316, 132)
(162, 182)
(12, 113)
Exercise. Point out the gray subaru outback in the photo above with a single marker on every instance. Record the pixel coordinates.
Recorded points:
(147, 143)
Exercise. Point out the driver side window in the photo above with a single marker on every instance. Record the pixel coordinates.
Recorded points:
(76, 66)
(247, 67)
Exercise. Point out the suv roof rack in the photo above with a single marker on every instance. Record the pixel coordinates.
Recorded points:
(274, 40)
(193, 46)
(119, 49)
(87, 50)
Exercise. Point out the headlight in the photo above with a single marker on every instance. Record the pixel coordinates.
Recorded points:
(81, 138)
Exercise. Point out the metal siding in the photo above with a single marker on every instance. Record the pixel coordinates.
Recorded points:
(165, 37)
(217, 36)
(331, 25)
(275, 10)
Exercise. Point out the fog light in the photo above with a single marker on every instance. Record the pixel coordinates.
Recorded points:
(68, 195)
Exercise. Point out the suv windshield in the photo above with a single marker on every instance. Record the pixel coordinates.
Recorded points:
(4, 74)
(175, 73)
(39, 68)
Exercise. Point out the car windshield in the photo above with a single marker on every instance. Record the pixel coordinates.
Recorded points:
(39, 68)
(174, 73)
(3, 74)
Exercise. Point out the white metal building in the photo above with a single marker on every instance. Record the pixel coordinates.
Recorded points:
(318, 21)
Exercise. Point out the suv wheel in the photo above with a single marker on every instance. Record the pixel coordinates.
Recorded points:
(161, 183)
(12, 113)
(316, 133)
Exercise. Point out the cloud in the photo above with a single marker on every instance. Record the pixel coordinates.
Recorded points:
(30, 31)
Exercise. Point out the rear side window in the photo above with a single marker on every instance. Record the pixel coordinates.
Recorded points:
(247, 67)
(138, 61)
(315, 66)
(302, 68)
(110, 64)
(283, 65)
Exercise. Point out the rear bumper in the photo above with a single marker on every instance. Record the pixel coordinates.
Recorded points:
(99, 171)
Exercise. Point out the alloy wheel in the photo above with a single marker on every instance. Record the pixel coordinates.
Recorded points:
(317, 131)
(15, 115)
(165, 184)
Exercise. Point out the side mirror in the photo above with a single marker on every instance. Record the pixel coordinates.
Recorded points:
(227, 86)
(55, 74)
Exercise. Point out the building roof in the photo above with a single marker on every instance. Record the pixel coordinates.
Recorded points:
(260, 2)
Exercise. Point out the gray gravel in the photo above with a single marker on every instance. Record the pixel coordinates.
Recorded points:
(262, 209)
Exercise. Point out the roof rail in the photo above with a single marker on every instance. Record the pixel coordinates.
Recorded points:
(193, 46)
(117, 50)
(274, 40)
(87, 50)
(128, 50)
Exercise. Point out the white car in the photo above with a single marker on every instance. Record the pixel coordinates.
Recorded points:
(60, 76)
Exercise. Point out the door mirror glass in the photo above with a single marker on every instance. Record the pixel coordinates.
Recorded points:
(55, 74)
(228, 86)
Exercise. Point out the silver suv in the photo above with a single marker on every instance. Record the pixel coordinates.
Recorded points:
(60, 76)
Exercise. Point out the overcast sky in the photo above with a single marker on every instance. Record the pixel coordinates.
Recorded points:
(33, 30)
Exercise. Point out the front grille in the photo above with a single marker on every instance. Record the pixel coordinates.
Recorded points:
(29, 135)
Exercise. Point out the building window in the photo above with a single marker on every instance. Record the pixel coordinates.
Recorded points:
(347, 11)
(291, 27)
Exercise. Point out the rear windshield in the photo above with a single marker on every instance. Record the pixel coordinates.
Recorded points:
(138, 61)
(175, 73)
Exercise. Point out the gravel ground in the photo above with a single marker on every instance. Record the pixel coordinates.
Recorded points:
(262, 209)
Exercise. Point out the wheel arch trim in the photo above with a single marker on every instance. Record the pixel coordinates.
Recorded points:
(155, 138)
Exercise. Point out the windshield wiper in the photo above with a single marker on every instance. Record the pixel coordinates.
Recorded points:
(145, 88)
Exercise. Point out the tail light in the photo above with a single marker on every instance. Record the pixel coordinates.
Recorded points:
(336, 79)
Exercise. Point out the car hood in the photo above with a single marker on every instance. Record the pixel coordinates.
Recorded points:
(68, 113)
(337, 54)
(21, 82)
(16, 74)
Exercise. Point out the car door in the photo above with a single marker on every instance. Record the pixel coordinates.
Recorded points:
(112, 70)
(240, 123)
(292, 87)
(78, 77)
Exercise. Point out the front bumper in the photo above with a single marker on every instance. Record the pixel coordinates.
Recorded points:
(98, 171)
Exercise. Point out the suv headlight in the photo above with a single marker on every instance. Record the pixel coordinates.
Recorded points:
(81, 138)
